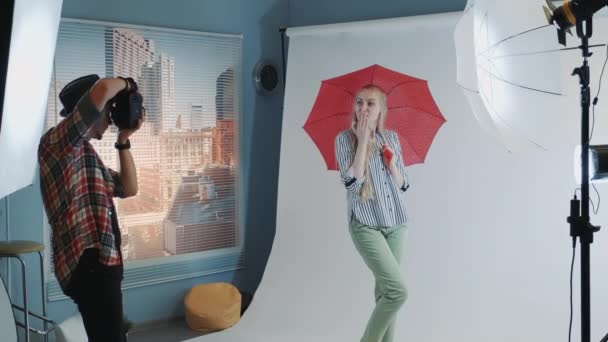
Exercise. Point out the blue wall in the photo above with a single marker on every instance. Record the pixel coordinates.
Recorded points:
(316, 12)
(258, 21)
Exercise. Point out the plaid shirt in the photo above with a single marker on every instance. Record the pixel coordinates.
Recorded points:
(77, 190)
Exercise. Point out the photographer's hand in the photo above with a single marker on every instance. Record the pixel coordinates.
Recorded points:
(105, 89)
(125, 133)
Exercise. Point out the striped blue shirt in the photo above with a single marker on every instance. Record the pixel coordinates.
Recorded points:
(387, 207)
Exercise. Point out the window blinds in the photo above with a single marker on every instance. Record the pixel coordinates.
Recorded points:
(186, 153)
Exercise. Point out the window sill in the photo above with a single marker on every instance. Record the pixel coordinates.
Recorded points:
(141, 273)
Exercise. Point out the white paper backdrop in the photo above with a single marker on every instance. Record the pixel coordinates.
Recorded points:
(488, 254)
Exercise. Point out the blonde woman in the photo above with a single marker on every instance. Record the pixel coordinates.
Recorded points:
(372, 169)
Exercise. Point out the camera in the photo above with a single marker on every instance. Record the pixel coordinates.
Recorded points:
(126, 108)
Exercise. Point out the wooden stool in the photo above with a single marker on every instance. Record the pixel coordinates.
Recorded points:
(14, 249)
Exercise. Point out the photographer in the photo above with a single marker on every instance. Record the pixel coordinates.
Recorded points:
(78, 190)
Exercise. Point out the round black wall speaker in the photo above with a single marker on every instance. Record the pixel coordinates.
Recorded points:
(266, 77)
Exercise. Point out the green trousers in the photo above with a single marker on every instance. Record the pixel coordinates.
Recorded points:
(381, 250)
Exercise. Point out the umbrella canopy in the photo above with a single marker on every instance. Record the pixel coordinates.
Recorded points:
(412, 111)
(509, 67)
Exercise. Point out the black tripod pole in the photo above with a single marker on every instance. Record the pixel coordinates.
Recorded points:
(580, 225)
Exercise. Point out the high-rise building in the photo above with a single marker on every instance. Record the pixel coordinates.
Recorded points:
(127, 52)
(225, 95)
(158, 89)
(197, 121)
(224, 142)
(166, 69)
(150, 90)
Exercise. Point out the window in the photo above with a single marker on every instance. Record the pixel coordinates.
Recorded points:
(185, 221)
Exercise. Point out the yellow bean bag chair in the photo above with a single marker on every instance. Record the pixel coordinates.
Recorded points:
(212, 307)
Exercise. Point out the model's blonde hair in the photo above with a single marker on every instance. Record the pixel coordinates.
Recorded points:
(367, 190)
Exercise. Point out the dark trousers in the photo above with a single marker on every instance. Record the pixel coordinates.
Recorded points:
(95, 288)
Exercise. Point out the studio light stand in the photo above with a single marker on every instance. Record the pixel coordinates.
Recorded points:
(580, 223)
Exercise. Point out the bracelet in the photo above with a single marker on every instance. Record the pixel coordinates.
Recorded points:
(123, 146)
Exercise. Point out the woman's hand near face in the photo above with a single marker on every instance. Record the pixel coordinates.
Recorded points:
(363, 130)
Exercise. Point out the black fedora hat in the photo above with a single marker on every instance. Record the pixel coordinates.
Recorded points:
(73, 91)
